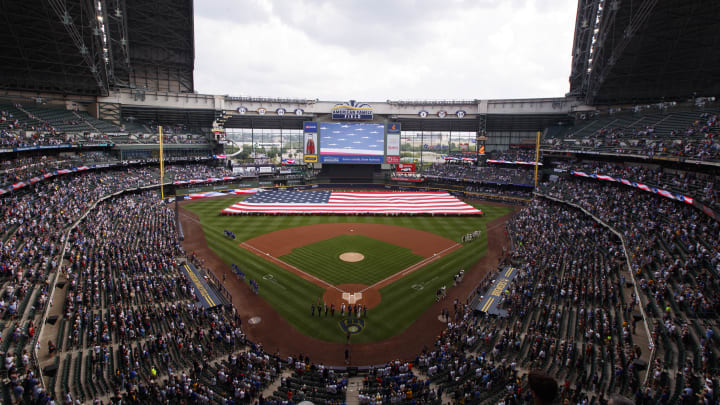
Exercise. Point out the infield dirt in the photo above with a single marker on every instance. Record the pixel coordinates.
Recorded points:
(277, 336)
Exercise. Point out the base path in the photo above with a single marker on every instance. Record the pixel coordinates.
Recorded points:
(425, 244)
(283, 241)
(278, 336)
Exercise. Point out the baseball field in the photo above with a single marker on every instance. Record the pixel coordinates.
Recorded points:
(391, 265)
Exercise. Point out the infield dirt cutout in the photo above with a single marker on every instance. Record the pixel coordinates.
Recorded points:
(290, 341)
(427, 245)
(352, 257)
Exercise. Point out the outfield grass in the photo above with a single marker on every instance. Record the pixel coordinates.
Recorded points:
(322, 259)
(402, 302)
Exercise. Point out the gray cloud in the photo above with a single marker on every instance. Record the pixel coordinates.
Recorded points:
(232, 11)
(372, 23)
(375, 50)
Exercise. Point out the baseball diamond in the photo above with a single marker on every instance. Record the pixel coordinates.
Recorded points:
(301, 253)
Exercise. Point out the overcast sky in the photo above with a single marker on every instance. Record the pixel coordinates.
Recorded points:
(375, 50)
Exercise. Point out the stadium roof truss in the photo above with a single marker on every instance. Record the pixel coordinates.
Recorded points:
(161, 44)
(644, 51)
(52, 46)
(87, 47)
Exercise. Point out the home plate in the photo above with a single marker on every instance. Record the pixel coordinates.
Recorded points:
(352, 298)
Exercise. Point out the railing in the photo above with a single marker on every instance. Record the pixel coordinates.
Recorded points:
(651, 344)
(590, 150)
(217, 285)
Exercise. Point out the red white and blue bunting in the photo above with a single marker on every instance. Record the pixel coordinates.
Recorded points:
(237, 191)
(644, 187)
(512, 162)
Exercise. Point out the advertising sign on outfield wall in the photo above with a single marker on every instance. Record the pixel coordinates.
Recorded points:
(406, 167)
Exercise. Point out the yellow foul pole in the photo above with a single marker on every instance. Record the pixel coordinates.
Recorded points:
(162, 164)
(537, 156)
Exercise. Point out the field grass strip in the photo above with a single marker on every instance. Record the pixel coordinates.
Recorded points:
(410, 269)
(305, 275)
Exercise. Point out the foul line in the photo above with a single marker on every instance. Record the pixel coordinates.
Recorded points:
(412, 268)
(402, 273)
(276, 260)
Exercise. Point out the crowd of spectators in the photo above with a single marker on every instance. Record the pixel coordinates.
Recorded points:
(697, 141)
(486, 192)
(569, 315)
(127, 306)
(133, 313)
(21, 128)
(32, 225)
(9, 138)
(675, 256)
(479, 174)
(167, 138)
(188, 172)
(130, 327)
(524, 155)
(310, 382)
(24, 168)
(704, 187)
(395, 382)
(12, 119)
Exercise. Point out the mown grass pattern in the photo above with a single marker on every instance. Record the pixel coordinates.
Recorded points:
(322, 259)
(402, 301)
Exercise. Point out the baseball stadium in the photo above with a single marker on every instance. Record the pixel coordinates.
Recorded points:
(163, 244)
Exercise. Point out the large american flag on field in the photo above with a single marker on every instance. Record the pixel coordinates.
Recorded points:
(336, 202)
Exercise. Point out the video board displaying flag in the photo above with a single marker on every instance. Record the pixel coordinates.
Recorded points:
(348, 142)
(335, 202)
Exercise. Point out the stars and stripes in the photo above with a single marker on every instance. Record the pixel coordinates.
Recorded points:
(352, 139)
(335, 202)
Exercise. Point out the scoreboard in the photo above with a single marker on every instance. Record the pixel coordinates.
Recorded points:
(351, 142)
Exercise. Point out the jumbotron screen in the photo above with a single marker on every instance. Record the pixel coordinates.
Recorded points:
(346, 142)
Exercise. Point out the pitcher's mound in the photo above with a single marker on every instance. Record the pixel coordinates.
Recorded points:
(352, 257)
